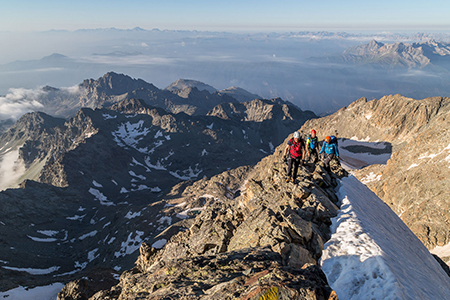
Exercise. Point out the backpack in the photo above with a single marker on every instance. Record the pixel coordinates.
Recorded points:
(295, 148)
(312, 142)
(334, 140)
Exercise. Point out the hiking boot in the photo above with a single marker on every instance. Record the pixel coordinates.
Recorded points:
(288, 179)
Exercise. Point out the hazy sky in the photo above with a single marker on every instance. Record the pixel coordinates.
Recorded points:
(230, 15)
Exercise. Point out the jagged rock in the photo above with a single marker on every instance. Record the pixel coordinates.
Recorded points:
(84, 288)
(252, 273)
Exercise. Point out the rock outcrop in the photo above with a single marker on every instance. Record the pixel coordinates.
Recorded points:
(258, 238)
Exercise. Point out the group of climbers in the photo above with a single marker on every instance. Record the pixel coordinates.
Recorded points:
(296, 151)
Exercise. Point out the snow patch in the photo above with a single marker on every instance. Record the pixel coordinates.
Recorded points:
(158, 134)
(42, 240)
(48, 232)
(141, 177)
(90, 234)
(372, 254)
(187, 174)
(158, 165)
(92, 256)
(412, 166)
(34, 271)
(130, 215)
(129, 134)
(210, 126)
(96, 184)
(272, 148)
(371, 178)
(159, 244)
(442, 251)
(355, 138)
(165, 219)
(76, 218)
(108, 116)
(204, 152)
(100, 197)
(184, 214)
(130, 245)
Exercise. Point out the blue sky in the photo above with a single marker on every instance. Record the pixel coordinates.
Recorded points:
(230, 15)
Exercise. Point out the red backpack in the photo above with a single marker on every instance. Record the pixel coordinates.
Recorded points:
(296, 148)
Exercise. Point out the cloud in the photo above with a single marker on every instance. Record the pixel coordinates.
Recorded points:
(420, 73)
(128, 60)
(11, 169)
(19, 101)
(72, 89)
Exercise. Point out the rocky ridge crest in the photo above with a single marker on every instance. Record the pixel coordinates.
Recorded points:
(256, 236)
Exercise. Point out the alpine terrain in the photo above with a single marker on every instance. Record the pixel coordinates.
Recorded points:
(85, 192)
(128, 191)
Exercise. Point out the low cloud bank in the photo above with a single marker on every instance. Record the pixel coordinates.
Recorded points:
(19, 101)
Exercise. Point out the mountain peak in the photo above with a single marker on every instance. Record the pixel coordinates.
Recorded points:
(374, 44)
(181, 84)
(115, 84)
(53, 57)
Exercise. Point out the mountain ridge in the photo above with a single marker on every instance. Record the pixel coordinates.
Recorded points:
(417, 194)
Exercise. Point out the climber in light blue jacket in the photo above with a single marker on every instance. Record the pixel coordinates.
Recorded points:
(331, 151)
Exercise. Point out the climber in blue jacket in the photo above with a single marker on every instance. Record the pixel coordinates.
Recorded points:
(331, 151)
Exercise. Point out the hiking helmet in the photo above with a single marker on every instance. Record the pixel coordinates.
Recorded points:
(296, 135)
(328, 139)
(313, 131)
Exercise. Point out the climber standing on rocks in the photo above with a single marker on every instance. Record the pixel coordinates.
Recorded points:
(312, 145)
(296, 149)
(331, 151)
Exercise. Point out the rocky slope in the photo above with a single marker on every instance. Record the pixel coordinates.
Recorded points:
(255, 237)
(90, 181)
(415, 179)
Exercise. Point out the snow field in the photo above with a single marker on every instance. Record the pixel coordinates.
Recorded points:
(48, 292)
(372, 254)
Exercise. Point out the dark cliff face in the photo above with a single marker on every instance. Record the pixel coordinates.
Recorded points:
(96, 182)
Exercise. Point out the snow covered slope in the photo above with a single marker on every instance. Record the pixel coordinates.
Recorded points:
(372, 254)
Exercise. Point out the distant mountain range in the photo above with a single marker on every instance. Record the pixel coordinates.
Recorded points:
(399, 54)
(188, 96)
